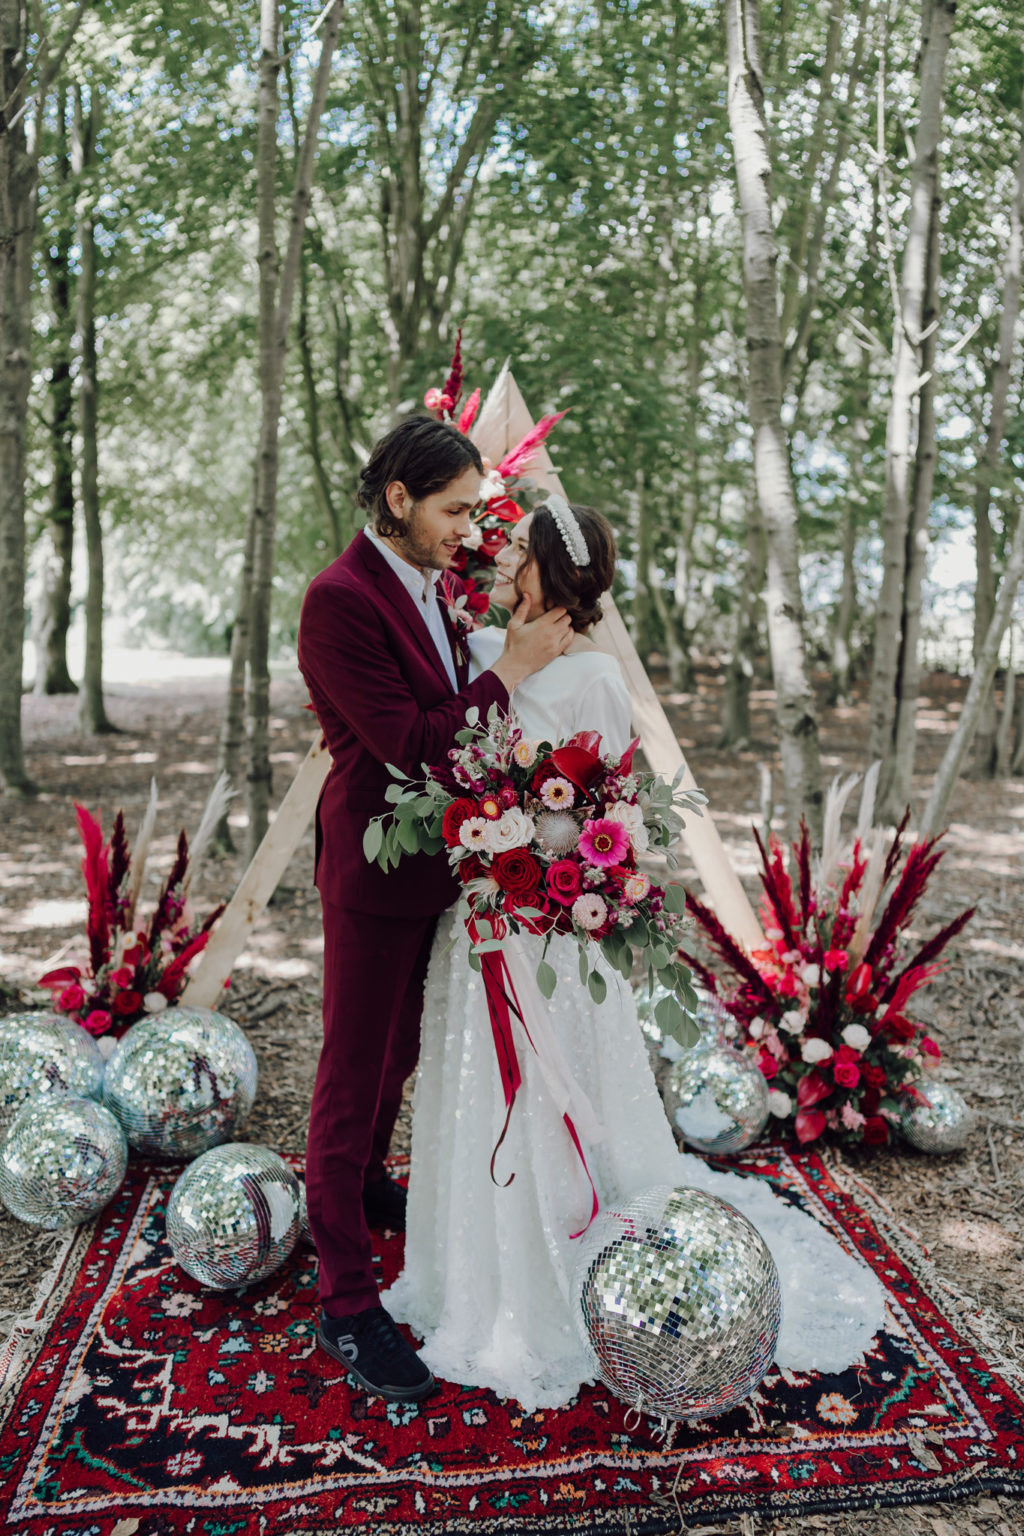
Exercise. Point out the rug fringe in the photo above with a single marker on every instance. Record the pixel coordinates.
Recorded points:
(977, 1321)
(22, 1326)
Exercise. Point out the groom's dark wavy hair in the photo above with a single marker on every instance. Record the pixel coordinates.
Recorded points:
(576, 588)
(424, 454)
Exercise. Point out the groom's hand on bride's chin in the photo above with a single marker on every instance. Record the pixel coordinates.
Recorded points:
(531, 644)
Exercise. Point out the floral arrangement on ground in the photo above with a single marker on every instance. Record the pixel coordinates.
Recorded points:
(134, 967)
(544, 839)
(825, 1004)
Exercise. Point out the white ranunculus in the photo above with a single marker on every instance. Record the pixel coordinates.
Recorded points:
(816, 1050)
(513, 829)
(857, 1037)
(779, 1103)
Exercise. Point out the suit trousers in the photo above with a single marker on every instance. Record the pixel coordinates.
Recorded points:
(374, 970)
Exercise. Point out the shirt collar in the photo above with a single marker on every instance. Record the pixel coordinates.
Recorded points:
(419, 584)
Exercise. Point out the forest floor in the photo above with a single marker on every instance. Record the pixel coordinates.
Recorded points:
(966, 1208)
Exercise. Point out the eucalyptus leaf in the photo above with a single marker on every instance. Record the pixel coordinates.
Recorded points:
(598, 987)
(373, 838)
(546, 979)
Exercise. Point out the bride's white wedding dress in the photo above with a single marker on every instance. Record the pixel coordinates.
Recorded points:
(487, 1269)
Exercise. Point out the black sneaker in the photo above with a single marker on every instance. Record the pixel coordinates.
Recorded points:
(370, 1347)
(384, 1204)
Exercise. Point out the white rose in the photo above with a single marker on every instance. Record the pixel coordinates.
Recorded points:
(816, 1050)
(810, 974)
(779, 1103)
(154, 1002)
(632, 818)
(793, 1022)
(513, 829)
(857, 1037)
(756, 1028)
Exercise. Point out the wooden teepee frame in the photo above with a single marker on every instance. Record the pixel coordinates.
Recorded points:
(503, 422)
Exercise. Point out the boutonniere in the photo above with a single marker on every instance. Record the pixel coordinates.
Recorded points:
(466, 610)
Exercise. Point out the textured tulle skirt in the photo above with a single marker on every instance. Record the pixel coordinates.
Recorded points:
(486, 1282)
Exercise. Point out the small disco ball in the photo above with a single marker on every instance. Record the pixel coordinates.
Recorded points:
(942, 1124)
(45, 1055)
(679, 1299)
(717, 1097)
(233, 1216)
(180, 1082)
(305, 1230)
(61, 1161)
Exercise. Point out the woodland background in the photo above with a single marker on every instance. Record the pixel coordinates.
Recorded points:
(769, 255)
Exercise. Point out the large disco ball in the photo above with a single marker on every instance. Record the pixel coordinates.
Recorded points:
(233, 1216)
(61, 1161)
(45, 1055)
(180, 1082)
(678, 1297)
(717, 1097)
(942, 1123)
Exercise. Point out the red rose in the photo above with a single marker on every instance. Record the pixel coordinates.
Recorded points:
(123, 977)
(809, 1123)
(869, 1101)
(492, 543)
(458, 812)
(71, 998)
(478, 602)
(97, 1022)
(768, 1065)
(846, 1074)
(128, 1002)
(811, 1088)
(564, 881)
(470, 868)
(873, 1074)
(847, 1056)
(929, 1048)
(458, 560)
(875, 1131)
(539, 925)
(517, 872)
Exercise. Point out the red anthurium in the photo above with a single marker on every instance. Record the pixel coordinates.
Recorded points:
(809, 1123)
(859, 984)
(811, 1088)
(505, 508)
(60, 977)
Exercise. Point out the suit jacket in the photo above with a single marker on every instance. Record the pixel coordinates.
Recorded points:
(382, 695)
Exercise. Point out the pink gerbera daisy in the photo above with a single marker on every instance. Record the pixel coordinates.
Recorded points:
(603, 842)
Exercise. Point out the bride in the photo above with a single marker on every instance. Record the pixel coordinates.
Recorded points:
(486, 1281)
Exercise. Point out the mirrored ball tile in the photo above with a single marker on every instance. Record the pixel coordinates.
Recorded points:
(181, 1082)
(61, 1161)
(45, 1055)
(717, 1097)
(679, 1299)
(233, 1216)
(941, 1124)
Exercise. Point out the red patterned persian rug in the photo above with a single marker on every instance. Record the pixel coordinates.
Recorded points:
(136, 1402)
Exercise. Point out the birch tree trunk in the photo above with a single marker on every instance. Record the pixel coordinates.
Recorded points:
(896, 792)
(988, 464)
(739, 670)
(934, 817)
(52, 617)
(231, 747)
(795, 714)
(92, 713)
(276, 290)
(1007, 717)
(907, 371)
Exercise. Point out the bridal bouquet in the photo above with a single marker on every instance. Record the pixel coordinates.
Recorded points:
(825, 1004)
(544, 840)
(134, 967)
(474, 563)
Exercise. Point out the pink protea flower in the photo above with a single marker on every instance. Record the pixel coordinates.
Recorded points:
(604, 842)
(590, 911)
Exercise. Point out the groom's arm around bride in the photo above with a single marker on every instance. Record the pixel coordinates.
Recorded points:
(389, 685)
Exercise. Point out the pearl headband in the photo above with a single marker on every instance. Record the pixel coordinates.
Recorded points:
(569, 528)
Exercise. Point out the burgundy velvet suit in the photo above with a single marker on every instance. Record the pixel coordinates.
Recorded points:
(382, 695)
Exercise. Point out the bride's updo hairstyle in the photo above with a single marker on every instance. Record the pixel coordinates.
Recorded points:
(421, 452)
(576, 588)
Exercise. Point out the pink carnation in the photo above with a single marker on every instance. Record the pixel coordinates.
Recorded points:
(603, 842)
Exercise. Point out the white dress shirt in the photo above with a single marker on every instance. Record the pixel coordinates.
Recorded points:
(422, 588)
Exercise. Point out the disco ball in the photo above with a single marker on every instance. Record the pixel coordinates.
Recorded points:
(45, 1055)
(61, 1161)
(717, 1097)
(305, 1230)
(180, 1082)
(678, 1297)
(941, 1124)
(233, 1216)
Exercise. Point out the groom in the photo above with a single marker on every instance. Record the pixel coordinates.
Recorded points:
(377, 651)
